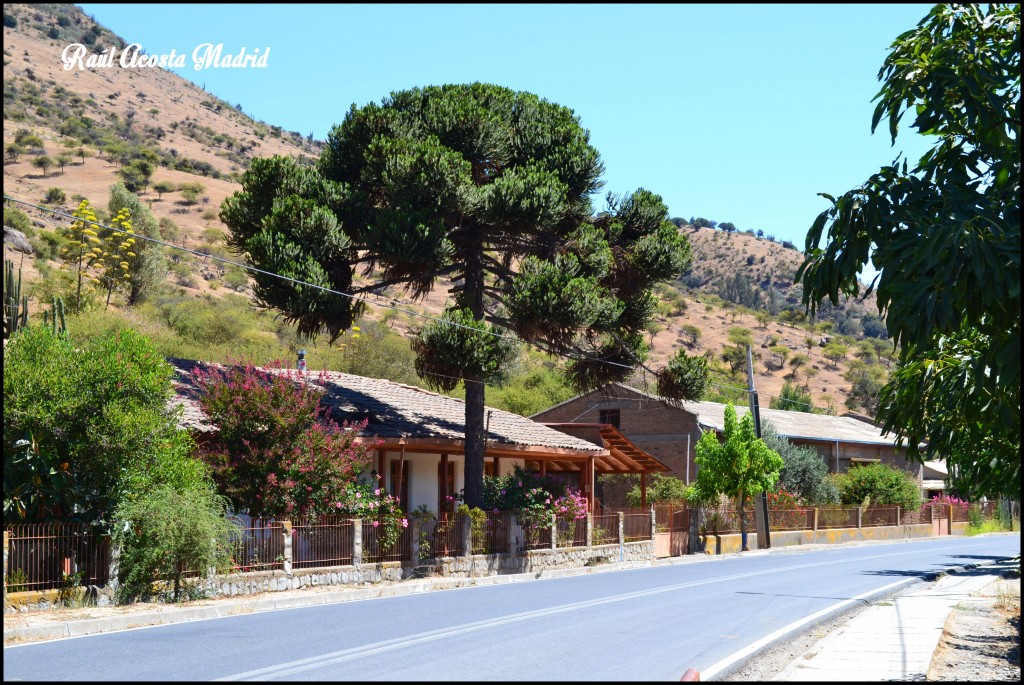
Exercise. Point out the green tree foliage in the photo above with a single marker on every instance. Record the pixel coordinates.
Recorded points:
(162, 187)
(136, 174)
(55, 196)
(44, 163)
(835, 352)
(740, 467)
(945, 238)
(804, 471)
(791, 398)
(878, 484)
(86, 425)
(483, 185)
(166, 532)
(661, 488)
(147, 263)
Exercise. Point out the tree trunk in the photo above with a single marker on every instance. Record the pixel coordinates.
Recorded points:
(474, 468)
(474, 475)
(741, 500)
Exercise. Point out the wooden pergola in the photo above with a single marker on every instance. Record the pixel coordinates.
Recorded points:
(622, 457)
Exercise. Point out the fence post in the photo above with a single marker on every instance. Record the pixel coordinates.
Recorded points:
(286, 532)
(860, 517)
(622, 537)
(112, 570)
(414, 545)
(950, 513)
(554, 531)
(654, 526)
(898, 517)
(513, 539)
(815, 528)
(590, 530)
(7, 547)
(467, 536)
(357, 542)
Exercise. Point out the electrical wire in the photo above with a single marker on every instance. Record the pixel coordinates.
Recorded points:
(351, 296)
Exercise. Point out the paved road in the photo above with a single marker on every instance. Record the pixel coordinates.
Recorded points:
(642, 624)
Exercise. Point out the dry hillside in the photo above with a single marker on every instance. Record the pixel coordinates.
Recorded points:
(199, 138)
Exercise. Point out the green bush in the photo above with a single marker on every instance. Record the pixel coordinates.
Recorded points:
(165, 533)
(85, 424)
(804, 473)
(18, 220)
(878, 484)
(660, 489)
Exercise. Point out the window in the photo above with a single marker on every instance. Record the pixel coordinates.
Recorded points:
(610, 416)
(489, 469)
(402, 487)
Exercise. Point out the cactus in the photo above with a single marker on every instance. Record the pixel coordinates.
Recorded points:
(15, 304)
(56, 318)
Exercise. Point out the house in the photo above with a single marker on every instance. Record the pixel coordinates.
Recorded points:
(421, 460)
(669, 431)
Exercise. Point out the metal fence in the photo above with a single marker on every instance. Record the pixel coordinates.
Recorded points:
(872, 517)
(829, 517)
(257, 545)
(571, 532)
(447, 537)
(909, 517)
(323, 541)
(374, 549)
(40, 555)
(492, 536)
(606, 530)
(790, 519)
(636, 527)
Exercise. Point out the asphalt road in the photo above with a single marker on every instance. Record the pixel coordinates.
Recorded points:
(641, 624)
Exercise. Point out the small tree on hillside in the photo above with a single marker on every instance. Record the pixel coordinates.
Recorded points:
(835, 352)
(44, 163)
(740, 467)
(791, 398)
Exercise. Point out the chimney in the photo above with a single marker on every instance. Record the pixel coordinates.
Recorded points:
(302, 360)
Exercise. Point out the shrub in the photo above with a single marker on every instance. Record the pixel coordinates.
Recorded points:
(55, 196)
(86, 424)
(167, 532)
(277, 451)
(878, 484)
(804, 472)
(661, 489)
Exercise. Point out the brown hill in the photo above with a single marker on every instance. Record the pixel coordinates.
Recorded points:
(115, 113)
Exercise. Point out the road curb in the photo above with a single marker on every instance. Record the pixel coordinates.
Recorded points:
(862, 603)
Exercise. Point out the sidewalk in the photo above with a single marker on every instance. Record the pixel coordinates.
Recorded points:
(894, 639)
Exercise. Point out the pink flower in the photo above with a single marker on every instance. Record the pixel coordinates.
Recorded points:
(358, 495)
(405, 523)
(376, 523)
(377, 492)
(338, 505)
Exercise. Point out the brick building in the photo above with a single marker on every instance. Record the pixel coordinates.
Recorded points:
(669, 432)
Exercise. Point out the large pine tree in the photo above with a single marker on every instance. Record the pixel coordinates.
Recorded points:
(490, 189)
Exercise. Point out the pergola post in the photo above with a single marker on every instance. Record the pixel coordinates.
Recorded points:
(643, 489)
(590, 484)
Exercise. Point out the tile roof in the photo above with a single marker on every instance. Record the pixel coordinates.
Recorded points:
(788, 424)
(393, 410)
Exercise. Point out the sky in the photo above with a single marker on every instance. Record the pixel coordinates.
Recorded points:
(740, 113)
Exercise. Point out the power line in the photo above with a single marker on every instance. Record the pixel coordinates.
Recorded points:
(351, 296)
(254, 269)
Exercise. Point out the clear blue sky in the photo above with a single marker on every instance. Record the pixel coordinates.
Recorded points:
(737, 113)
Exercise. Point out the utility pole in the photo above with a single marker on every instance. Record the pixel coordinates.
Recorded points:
(764, 540)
